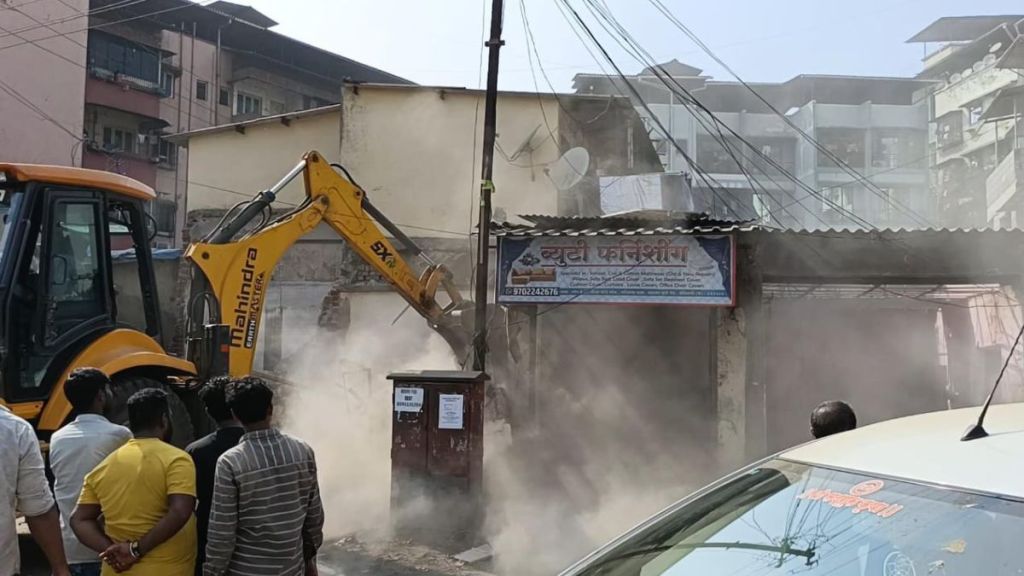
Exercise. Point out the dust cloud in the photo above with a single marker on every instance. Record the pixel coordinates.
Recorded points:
(342, 407)
(619, 433)
(602, 454)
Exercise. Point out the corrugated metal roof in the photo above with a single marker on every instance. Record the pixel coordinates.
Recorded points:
(581, 226)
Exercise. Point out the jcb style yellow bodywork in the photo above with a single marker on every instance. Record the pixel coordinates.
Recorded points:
(113, 353)
(238, 271)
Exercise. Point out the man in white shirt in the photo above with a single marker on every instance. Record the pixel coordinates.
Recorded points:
(23, 487)
(76, 449)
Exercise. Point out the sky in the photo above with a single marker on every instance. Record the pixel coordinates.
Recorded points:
(438, 42)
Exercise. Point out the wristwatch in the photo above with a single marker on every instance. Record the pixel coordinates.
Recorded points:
(133, 548)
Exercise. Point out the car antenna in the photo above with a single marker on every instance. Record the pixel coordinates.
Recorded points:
(977, 430)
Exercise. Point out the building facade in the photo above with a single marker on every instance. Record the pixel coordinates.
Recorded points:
(873, 126)
(42, 81)
(976, 104)
(122, 76)
(416, 151)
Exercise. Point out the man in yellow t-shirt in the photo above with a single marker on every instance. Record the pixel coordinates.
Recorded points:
(146, 493)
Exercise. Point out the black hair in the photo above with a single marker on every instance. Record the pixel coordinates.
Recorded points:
(214, 397)
(146, 408)
(250, 399)
(832, 417)
(83, 386)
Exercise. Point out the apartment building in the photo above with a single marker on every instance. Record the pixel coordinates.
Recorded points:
(977, 130)
(121, 76)
(42, 111)
(874, 125)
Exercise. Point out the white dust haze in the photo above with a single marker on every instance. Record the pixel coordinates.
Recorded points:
(597, 464)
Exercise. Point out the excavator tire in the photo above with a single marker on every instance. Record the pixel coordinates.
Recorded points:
(124, 387)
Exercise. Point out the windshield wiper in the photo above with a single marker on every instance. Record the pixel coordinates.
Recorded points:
(783, 550)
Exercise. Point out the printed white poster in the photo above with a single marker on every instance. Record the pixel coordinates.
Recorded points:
(450, 412)
(408, 399)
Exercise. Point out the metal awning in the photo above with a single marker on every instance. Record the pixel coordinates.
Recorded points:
(1013, 59)
(962, 28)
(843, 256)
(1006, 104)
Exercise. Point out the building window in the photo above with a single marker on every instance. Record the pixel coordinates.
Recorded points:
(167, 84)
(115, 55)
(974, 113)
(949, 130)
(164, 213)
(310, 102)
(770, 152)
(837, 201)
(246, 104)
(846, 144)
(117, 140)
(201, 89)
(165, 152)
(891, 149)
(225, 97)
(713, 157)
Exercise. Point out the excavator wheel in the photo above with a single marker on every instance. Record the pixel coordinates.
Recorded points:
(124, 387)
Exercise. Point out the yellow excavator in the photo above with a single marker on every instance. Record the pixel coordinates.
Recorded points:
(59, 309)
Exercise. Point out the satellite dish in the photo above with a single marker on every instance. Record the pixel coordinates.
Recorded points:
(568, 170)
(955, 78)
(967, 72)
(995, 47)
(792, 111)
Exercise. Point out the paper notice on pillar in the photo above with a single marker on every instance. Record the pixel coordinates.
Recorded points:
(449, 412)
(408, 399)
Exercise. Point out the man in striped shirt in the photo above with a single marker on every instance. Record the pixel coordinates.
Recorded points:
(266, 518)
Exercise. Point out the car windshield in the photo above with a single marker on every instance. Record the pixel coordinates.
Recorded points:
(787, 518)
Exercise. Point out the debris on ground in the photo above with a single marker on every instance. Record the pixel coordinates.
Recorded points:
(353, 557)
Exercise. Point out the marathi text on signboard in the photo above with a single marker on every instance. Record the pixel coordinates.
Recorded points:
(655, 269)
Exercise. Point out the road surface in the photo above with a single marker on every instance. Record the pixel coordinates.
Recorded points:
(345, 558)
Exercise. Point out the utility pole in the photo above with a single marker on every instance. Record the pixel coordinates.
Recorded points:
(483, 250)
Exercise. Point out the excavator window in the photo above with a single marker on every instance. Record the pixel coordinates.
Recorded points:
(61, 293)
(75, 271)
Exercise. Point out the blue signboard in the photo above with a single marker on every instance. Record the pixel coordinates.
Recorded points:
(654, 269)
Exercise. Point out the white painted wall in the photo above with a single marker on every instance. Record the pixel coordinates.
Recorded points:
(416, 150)
(248, 162)
(43, 63)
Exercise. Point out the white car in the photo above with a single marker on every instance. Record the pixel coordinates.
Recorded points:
(901, 498)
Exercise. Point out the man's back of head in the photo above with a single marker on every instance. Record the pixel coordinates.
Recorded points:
(832, 417)
(83, 389)
(251, 401)
(148, 411)
(214, 397)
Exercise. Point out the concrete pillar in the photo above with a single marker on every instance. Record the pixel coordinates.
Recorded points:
(731, 381)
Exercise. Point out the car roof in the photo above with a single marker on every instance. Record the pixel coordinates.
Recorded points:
(927, 448)
(69, 176)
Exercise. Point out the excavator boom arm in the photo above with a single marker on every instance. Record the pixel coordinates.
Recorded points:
(235, 271)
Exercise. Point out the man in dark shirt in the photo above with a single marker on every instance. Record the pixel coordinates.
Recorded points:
(207, 450)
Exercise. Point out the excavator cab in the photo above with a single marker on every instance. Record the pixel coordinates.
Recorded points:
(59, 306)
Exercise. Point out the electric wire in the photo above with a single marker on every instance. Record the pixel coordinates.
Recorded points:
(843, 165)
(644, 58)
(705, 178)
